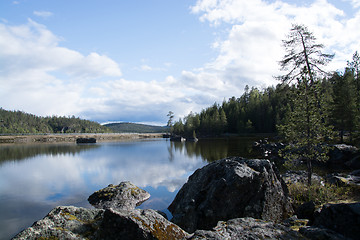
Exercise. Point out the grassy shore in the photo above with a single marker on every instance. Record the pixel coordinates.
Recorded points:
(56, 138)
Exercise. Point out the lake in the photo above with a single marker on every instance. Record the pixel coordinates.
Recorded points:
(35, 178)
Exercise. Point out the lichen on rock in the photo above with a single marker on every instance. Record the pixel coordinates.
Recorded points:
(125, 196)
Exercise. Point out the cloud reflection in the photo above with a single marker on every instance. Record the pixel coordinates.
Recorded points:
(36, 178)
(44, 181)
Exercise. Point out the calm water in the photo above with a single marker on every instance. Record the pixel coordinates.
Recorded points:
(36, 178)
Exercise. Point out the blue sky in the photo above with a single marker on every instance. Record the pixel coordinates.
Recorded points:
(136, 60)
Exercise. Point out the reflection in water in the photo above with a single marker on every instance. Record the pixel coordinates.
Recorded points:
(215, 149)
(24, 151)
(36, 178)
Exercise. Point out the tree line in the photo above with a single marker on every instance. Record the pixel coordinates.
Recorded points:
(306, 109)
(18, 122)
(264, 111)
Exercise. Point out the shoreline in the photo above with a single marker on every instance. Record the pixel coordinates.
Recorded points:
(71, 138)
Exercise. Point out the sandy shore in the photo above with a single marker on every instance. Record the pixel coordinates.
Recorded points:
(55, 138)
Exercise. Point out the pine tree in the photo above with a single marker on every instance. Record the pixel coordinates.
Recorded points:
(344, 109)
(305, 128)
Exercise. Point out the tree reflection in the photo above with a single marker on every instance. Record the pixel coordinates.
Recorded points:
(20, 152)
(214, 149)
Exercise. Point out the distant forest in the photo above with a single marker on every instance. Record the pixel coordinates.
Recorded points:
(262, 111)
(18, 122)
(135, 128)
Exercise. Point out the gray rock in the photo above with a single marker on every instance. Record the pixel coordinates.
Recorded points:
(65, 223)
(294, 223)
(315, 233)
(342, 179)
(247, 228)
(125, 196)
(300, 177)
(341, 153)
(354, 163)
(81, 223)
(355, 173)
(306, 211)
(342, 218)
(231, 188)
(138, 224)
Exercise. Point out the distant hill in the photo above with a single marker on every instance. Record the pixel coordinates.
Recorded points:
(18, 122)
(135, 128)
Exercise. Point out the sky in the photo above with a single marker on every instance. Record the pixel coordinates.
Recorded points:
(136, 60)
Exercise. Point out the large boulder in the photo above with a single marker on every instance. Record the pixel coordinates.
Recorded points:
(340, 154)
(316, 233)
(231, 188)
(247, 228)
(342, 218)
(125, 196)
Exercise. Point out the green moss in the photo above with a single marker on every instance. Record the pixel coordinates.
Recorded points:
(160, 232)
(299, 223)
(70, 217)
(48, 238)
(135, 191)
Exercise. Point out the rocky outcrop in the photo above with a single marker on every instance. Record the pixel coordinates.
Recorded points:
(247, 228)
(343, 179)
(339, 154)
(306, 211)
(139, 224)
(115, 218)
(125, 196)
(231, 188)
(341, 218)
(315, 233)
(81, 223)
(65, 223)
(233, 198)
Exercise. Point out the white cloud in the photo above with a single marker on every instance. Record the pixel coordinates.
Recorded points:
(146, 68)
(43, 14)
(39, 76)
(355, 3)
(251, 51)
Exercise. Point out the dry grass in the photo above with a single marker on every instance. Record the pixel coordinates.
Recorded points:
(321, 194)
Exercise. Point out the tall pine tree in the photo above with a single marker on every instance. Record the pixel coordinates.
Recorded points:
(305, 128)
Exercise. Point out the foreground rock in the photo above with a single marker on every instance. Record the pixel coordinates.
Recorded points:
(316, 233)
(341, 218)
(65, 223)
(231, 188)
(138, 224)
(125, 196)
(247, 228)
(81, 223)
(342, 153)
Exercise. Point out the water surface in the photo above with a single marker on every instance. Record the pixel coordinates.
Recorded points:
(36, 178)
